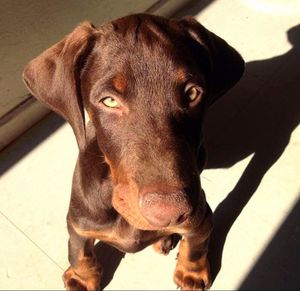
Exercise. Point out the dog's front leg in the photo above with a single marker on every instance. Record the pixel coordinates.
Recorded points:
(193, 270)
(84, 272)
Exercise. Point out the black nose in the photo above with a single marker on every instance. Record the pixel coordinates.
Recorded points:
(165, 209)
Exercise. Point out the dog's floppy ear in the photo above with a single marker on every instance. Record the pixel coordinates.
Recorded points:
(54, 77)
(226, 64)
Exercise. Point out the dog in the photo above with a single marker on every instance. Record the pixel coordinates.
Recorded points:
(145, 82)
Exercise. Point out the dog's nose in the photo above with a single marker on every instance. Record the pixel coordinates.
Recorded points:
(165, 209)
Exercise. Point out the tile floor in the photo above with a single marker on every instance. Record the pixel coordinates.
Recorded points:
(251, 181)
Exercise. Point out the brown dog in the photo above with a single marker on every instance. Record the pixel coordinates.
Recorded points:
(146, 83)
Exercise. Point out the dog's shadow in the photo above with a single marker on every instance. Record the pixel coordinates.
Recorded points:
(256, 117)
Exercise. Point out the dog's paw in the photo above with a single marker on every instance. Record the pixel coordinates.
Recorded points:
(85, 282)
(189, 276)
(166, 244)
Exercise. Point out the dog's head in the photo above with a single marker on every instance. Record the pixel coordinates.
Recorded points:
(146, 83)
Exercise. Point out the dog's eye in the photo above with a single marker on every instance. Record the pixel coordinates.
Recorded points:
(193, 95)
(110, 102)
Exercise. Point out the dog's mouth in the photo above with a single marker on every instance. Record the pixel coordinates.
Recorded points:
(128, 207)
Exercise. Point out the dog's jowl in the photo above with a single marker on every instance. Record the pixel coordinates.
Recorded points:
(146, 83)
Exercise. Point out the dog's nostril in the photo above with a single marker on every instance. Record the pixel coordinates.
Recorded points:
(181, 218)
(164, 210)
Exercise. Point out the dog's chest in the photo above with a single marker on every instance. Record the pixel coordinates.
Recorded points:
(123, 236)
(129, 239)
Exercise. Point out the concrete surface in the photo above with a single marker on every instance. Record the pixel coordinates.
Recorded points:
(251, 181)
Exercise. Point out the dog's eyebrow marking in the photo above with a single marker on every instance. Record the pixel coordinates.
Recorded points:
(182, 75)
(119, 82)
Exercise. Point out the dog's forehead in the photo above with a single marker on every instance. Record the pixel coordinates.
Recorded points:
(143, 26)
(141, 48)
(144, 42)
